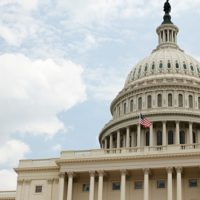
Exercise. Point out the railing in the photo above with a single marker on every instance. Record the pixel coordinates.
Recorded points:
(132, 150)
(8, 194)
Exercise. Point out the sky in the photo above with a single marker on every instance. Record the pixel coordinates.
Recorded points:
(62, 62)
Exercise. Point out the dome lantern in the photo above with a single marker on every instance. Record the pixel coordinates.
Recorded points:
(167, 31)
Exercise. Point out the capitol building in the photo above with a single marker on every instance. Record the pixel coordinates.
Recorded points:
(157, 162)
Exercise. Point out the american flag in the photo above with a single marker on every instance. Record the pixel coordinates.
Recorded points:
(144, 121)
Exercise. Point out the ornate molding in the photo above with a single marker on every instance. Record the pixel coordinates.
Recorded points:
(179, 169)
(61, 175)
(169, 169)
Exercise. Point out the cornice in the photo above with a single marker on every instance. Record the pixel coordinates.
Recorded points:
(36, 169)
(118, 157)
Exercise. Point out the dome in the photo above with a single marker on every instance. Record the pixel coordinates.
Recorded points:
(168, 61)
(165, 88)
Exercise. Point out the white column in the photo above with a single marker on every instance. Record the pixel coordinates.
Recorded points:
(151, 135)
(19, 189)
(100, 185)
(27, 188)
(111, 141)
(127, 137)
(190, 133)
(92, 176)
(118, 139)
(123, 185)
(164, 134)
(124, 140)
(179, 183)
(138, 135)
(70, 186)
(169, 184)
(50, 185)
(61, 185)
(177, 133)
(146, 184)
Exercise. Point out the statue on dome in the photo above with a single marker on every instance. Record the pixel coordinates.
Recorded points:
(167, 7)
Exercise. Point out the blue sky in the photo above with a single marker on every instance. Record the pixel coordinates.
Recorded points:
(62, 63)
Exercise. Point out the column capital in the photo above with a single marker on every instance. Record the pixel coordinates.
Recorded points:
(123, 171)
(70, 174)
(169, 169)
(20, 181)
(191, 123)
(179, 169)
(27, 181)
(62, 175)
(146, 170)
(164, 122)
(50, 181)
(177, 122)
(92, 173)
(101, 172)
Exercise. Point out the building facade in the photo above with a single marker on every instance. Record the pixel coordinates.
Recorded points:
(134, 163)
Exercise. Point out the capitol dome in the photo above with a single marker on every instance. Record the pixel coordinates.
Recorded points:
(165, 88)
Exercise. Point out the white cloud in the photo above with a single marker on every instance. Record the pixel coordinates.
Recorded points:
(33, 93)
(12, 151)
(8, 180)
(25, 4)
(104, 84)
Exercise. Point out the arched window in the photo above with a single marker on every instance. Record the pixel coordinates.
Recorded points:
(199, 102)
(182, 137)
(180, 100)
(131, 105)
(147, 138)
(149, 101)
(190, 101)
(194, 137)
(159, 99)
(170, 137)
(124, 108)
(159, 137)
(170, 100)
(139, 103)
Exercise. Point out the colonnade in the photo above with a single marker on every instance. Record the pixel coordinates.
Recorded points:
(123, 172)
(131, 136)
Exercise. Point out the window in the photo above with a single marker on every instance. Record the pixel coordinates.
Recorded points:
(190, 101)
(38, 188)
(159, 99)
(161, 65)
(170, 137)
(149, 101)
(192, 68)
(159, 138)
(169, 65)
(177, 65)
(146, 67)
(193, 183)
(194, 138)
(86, 187)
(184, 66)
(182, 137)
(170, 100)
(161, 184)
(153, 66)
(138, 185)
(131, 105)
(116, 186)
(180, 100)
(199, 102)
(147, 138)
(139, 103)
(119, 111)
(124, 108)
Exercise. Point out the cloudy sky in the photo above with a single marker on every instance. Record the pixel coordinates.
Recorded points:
(63, 61)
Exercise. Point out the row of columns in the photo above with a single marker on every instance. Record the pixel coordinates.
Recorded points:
(128, 143)
(123, 185)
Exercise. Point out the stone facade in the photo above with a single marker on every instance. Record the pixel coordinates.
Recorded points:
(159, 162)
